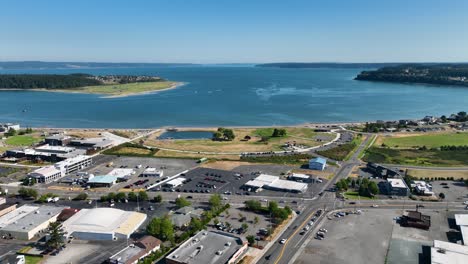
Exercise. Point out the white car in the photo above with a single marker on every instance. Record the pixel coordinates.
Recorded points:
(375, 205)
(466, 203)
(282, 241)
(323, 230)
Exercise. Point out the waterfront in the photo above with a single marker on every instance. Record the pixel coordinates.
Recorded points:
(232, 96)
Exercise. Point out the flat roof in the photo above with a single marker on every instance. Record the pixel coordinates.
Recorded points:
(73, 160)
(397, 183)
(464, 232)
(103, 179)
(461, 219)
(33, 219)
(120, 173)
(319, 160)
(288, 185)
(448, 253)
(55, 148)
(207, 247)
(301, 176)
(16, 215)
(176, 181)
(47, 171)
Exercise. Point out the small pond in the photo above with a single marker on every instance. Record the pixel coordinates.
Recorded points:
(186, 135)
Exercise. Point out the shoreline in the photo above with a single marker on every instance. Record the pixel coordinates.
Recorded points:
(107, 96)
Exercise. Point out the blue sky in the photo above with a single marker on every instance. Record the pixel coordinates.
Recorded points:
(221, 31)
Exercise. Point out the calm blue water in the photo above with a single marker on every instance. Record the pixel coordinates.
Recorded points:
(233, 96)
(186, 135)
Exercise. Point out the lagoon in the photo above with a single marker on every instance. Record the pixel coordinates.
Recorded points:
(232, 96)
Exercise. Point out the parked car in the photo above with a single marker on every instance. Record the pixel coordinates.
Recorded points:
(282, 241)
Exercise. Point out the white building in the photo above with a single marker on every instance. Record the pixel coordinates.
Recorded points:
(422, 188)
(103, 224)
(60, 169)
(175, 182)
(27, 221)
(264, 181)
(448, 253)
(7, 126)
(122, 173)
(462, 221)
(152, 172)
(299, 177)
(397, 187)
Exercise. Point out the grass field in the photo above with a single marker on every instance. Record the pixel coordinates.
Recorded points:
(428, 140)
(302, 136)
(125, 89)
(33, 259)
(456, 174)
(23, 140)
(355, 196)
(417, 157)
(129, 149)
(343, 151)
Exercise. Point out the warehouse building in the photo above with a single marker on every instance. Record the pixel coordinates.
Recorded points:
(46, 174)
(92, 143)
(102, 181)
(317, 163)
(299, 177)
(264, 181)
(397, 187)
(152, 172)
(27, 221)
(209, 247)
(448, 253)
(103, 224)
(5, 208)
(462, 222)
(136, 251)
(58, 140)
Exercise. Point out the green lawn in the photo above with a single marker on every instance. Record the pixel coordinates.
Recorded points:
(23, 140)
(33, 259)
(355, 196)
(430, 141)
(417, 157)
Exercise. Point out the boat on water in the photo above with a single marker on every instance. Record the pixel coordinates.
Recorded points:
(171, 129)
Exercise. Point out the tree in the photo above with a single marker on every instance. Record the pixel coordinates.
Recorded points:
(215, 221)
(251, 239)
(255, 220)
(229, 134)
(81, 197)
(442, 196)
(161, 228)
(253, 205)
(57, 233)
(27, 193)
(182, 202)
(132, 196)
(373, 188)
(120, 196)
(245, 226)
(353, 183)
(143, 196)
(279, 132)
(215, 201)
(11, 132)
(158, 198)
(195, 224)
(272, 206)
(217, 135)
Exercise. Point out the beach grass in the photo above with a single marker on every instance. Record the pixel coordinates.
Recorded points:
(302, 136)
(428, 173)
(115, 90)
(355, 196)
(434, 140)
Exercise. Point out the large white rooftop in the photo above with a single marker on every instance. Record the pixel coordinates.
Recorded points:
(396, 183)
(16, 215)
(461, 219)
(448, 253)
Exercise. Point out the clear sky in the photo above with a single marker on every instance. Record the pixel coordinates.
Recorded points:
(222, 31)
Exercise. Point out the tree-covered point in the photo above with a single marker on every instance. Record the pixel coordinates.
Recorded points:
(440, 74)
(60, 81)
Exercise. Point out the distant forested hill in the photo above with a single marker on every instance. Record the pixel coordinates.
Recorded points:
(74, 65)
(55, 81)
(325, 65)
(438, 74)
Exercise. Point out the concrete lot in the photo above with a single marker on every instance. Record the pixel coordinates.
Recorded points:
(369, 237)
(205, 179)
(456, 191)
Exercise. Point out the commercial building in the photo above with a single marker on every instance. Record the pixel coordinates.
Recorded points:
(462, 221)
(92, 143)
(299, 177)
(317, 163)
(416, 219)
(152, 172)
(422, 188)
(382, 171)
(7, 126)
(175, 182)
(122, 173)
(5, 208)
(103, 224)
(264, 181)
(60, 169)
(184, 215)
(448, 253)
(209, 247)
(58, 140)
(397, 187)
(136, 251)
(45, 153)
(102, 181)
(27, 221)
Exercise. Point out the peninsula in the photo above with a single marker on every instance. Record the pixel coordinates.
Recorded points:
(437, 74)
(109, 85)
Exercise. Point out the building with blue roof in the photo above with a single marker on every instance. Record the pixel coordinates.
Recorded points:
(102, 181)
(317, 163)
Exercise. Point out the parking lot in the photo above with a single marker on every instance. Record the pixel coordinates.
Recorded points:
(206, 180)
(453, 190)
(104, 164)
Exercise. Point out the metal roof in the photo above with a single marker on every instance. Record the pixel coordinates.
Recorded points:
(319, 160)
